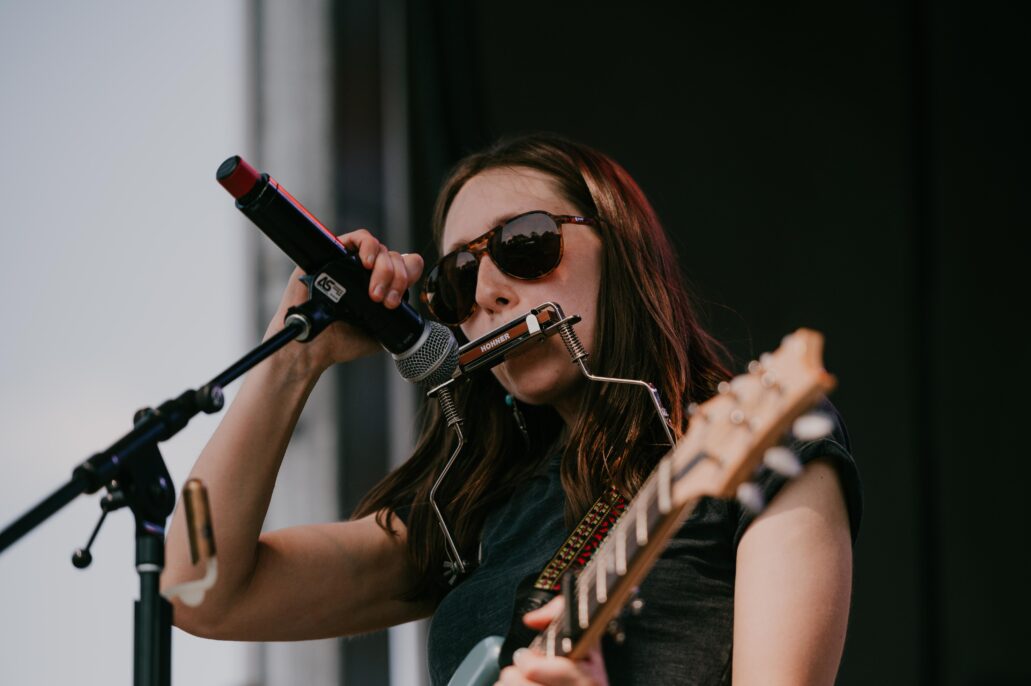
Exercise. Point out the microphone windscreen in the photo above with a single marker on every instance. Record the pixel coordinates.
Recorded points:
(432, 360)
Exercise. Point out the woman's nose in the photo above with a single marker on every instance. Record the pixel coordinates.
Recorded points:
(494, 290)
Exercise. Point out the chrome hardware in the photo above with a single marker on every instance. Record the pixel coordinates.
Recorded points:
(782, 461)
(810, 427)
(455, 566)
(578, 355)
(751, 497)
(492, 349)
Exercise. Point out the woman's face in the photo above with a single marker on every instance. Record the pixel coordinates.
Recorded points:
(544, 374)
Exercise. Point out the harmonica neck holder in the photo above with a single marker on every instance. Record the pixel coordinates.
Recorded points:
(455, 567)
(492, 349)
(578, 355)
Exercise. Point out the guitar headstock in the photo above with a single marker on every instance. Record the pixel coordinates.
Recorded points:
(729, 434)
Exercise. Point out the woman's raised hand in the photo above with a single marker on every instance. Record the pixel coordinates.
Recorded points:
(392, 274)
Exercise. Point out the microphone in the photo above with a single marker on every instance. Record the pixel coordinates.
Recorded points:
(424, 352)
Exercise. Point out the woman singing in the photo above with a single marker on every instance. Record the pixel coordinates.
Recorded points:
(735, 598)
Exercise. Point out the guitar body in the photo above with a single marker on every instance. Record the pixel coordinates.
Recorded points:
(480, 666)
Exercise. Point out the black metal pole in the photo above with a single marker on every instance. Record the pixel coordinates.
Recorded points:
(31, 519)
(152, 662)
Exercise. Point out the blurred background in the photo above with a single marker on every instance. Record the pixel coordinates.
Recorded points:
(858, 169)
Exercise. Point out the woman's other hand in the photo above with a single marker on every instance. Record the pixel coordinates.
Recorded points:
(531, 667)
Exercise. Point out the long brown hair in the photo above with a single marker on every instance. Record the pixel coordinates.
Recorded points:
(647, 329)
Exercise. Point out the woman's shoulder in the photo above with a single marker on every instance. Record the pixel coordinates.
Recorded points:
(834, 448)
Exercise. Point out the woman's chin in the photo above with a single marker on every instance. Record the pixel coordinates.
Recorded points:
(544, 385)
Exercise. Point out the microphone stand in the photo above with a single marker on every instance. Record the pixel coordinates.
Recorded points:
(135, 476)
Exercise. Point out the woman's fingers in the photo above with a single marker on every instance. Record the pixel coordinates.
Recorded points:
(391, 269)
(540, 618)
(532, 668)
(413, 266)
(399, 283)
(392, 272)
(543, 670)
(367, 245)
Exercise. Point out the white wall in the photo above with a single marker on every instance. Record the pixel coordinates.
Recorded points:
(122, 282)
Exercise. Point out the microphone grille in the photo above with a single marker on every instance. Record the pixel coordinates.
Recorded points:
(432, 360)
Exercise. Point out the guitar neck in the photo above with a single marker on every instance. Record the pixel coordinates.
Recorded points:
(608, 581)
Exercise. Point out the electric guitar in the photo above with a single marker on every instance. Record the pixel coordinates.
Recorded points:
(727, 439)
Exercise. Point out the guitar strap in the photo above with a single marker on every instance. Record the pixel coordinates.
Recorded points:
(574, 553)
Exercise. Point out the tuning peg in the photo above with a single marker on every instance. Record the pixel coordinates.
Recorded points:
(635, 604)
(811, 426)
(751, 497)
(615, 629)
(739, 385)
(695, 410)
(781, 460)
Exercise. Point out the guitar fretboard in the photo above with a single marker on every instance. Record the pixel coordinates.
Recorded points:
(611, 575)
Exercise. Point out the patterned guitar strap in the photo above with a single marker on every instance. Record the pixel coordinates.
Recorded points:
(537, 589)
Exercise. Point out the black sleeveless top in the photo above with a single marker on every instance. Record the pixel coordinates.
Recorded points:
(684, 633)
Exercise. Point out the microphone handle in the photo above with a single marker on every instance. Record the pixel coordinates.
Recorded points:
(337, 272)
(270, 207)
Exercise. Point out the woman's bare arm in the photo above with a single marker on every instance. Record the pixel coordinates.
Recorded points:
(793, 585)
(306, 581)
(297, 583)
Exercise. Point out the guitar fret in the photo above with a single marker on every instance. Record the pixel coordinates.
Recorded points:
(593, 604)
(654, 514)
(583, 611)
(664, 486)
(641, 517)
(620, 535)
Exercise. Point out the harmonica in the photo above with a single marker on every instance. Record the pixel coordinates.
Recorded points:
(509, 339)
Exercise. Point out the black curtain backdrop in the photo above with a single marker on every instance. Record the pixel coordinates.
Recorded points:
(855, 169)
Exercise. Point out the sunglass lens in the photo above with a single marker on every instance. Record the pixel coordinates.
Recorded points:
(451, 287)
(528, 247)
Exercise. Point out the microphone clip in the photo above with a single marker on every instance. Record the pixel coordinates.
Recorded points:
(324, 305)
